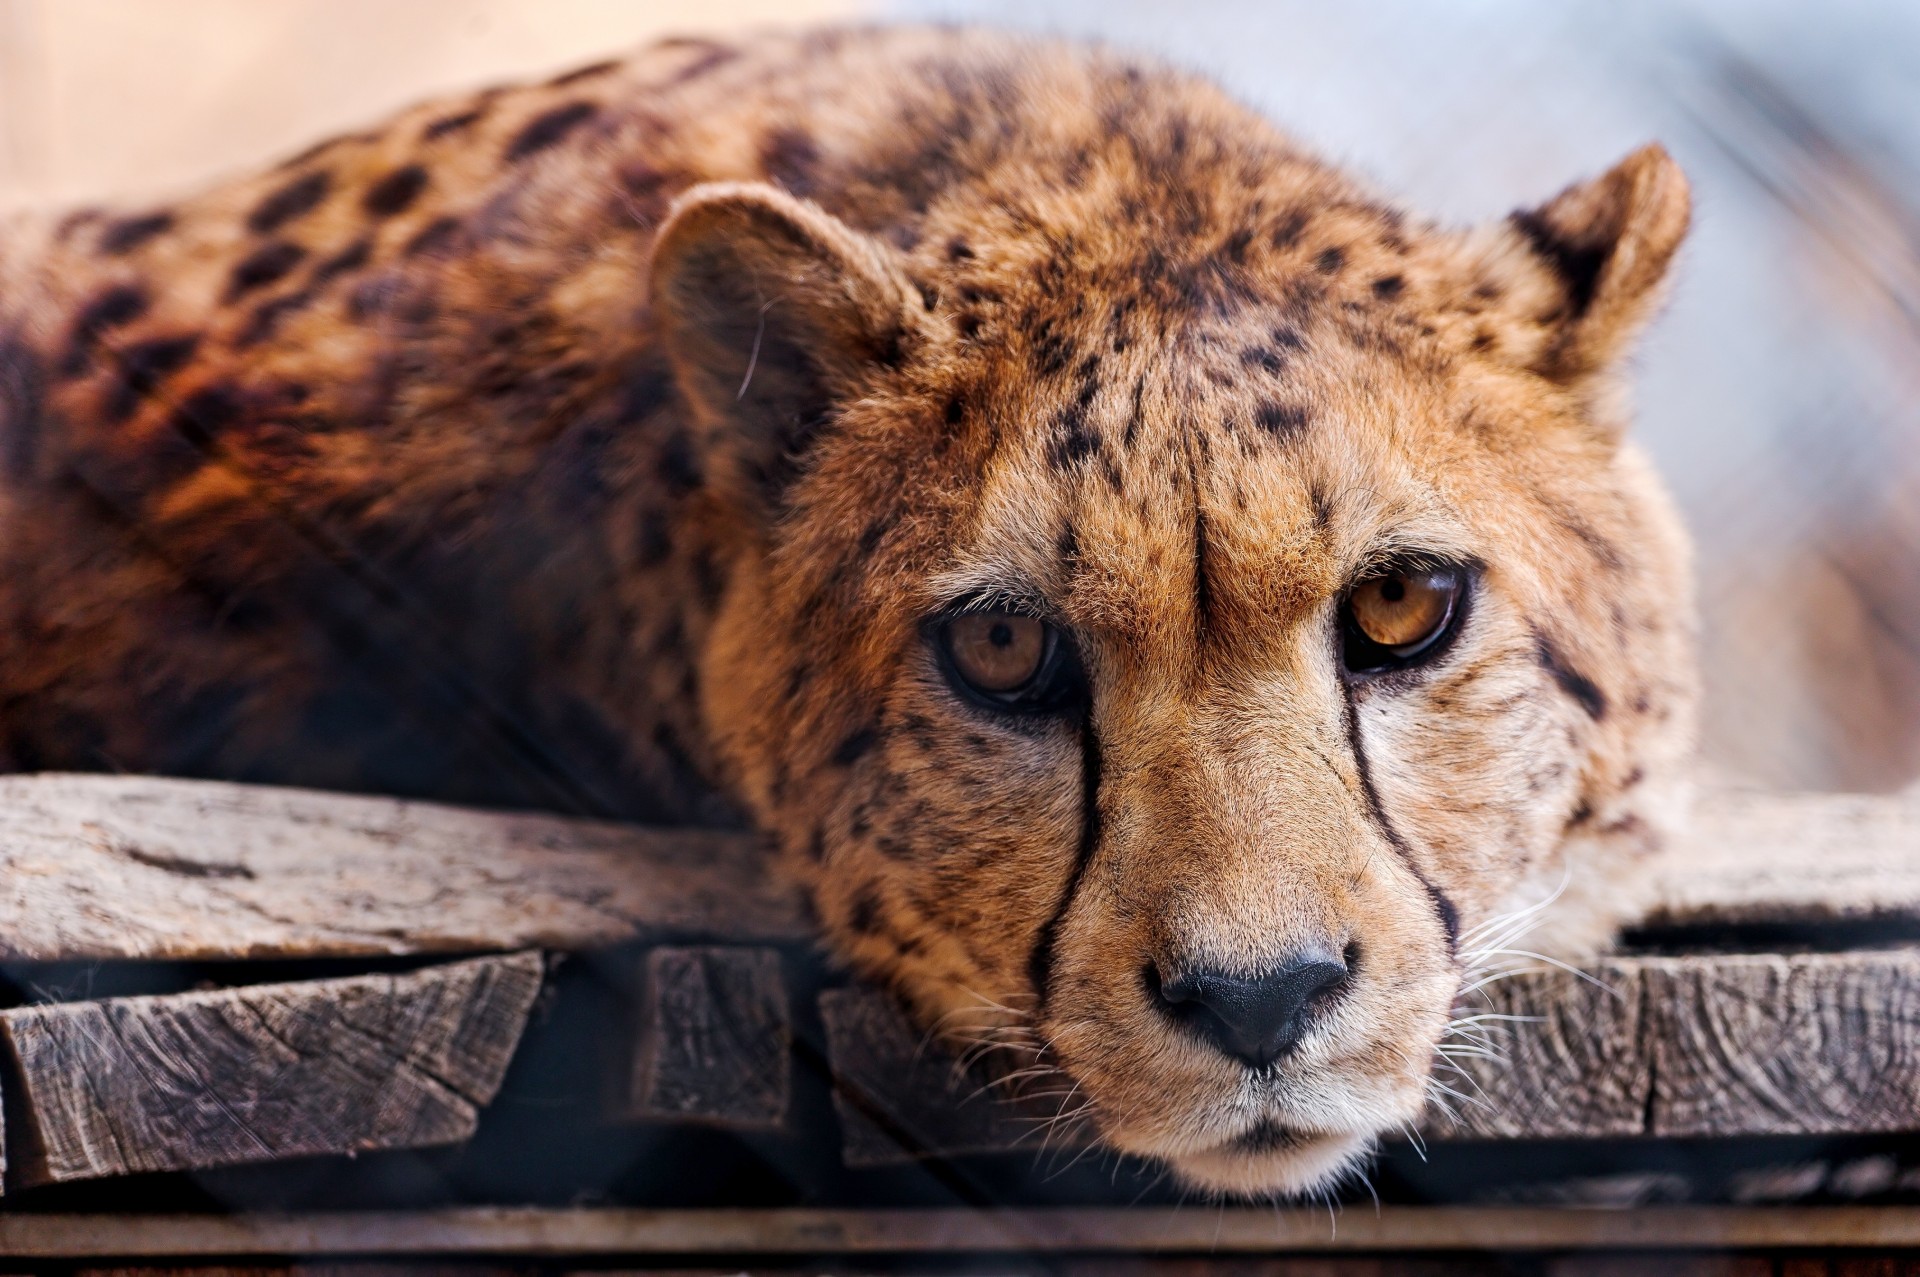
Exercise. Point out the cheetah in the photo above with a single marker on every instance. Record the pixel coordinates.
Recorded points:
(1166, 603)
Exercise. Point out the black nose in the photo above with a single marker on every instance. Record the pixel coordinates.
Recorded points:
(1255, 1019)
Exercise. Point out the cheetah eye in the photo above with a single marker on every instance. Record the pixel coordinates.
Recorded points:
(1401, 617)
(1010, 661)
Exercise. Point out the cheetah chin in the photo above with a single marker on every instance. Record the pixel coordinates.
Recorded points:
(1181, 616)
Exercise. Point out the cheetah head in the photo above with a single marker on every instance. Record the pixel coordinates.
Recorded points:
(1171, 621)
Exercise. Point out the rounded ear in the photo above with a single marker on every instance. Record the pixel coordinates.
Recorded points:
(1604, 246)
(772, 312)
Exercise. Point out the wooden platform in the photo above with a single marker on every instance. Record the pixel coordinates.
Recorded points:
(380, 968)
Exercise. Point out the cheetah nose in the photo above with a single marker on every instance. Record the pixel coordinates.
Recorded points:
(1254, 1019)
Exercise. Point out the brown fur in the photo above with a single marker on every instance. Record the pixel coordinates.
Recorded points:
(606, 445)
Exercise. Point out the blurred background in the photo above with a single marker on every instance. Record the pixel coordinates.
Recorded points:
(1780, 394)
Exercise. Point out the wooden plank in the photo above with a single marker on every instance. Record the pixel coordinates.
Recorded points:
(196, 1080)
(1762, 1044)
(137, 867)
(1571, 1061)
(1702, 1045)
(1765, 857)
(716, 1040)
(901, 1096)
(140, 867)
(1091, 1231)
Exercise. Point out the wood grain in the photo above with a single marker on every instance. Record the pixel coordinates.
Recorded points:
(140, 867)
(901, 1096)
(1570, 1062)
(1762, 1044)
(136, 867)
(716, 1039)
(196, 1080)
(1753, 856)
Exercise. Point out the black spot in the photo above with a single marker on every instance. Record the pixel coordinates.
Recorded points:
(646, 390)
(206, 412)
(584, 73)
(717, 55)
(1388, 287)
(266, 317)
(1483, 340)
(1072, 440)
(547, 128)
(1581, 688)
(265, 265)
(817, 845)
(956, 409)
(433, 237)
(350, 258)
(870, 538)
(21, 423)
(1330, 261)
(656, 539)
(855, 746)
(396, 192)
(113, 308)
(864, 914)
(295, 199)
(1282, 421)
(452, 124)
(129, 233)
(143, 367)
(1051, 350)
(1270, 360)
(959, 251)
(1289, 338)
(1577, 265)
(1288, 232)
(678, 468)
(788, 156)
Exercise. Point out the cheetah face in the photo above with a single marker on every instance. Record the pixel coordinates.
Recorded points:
(1165, 670)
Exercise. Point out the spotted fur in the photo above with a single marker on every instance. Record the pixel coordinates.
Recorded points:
(608, 445)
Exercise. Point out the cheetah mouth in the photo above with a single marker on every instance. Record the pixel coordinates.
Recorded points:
(1268, 1161)
(1267, 1136)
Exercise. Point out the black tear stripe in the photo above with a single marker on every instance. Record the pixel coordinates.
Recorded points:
(1448, 912)
(1040, 961)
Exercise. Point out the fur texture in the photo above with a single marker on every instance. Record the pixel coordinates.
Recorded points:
(607, 445)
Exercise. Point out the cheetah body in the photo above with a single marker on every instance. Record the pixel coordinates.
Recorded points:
(611, 445)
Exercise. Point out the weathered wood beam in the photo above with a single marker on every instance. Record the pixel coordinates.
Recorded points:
(1754, 856)
(1091, 1230)
(138, 867)
(196, 1080)
(901, 1095)
(1707, 1045)
(716, 1039)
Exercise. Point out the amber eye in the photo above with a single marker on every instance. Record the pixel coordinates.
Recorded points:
(1010, 660)
(1397, 617)
(996, 652)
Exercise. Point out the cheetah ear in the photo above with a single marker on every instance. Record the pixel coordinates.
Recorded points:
(772, 312)
(1592, 259)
